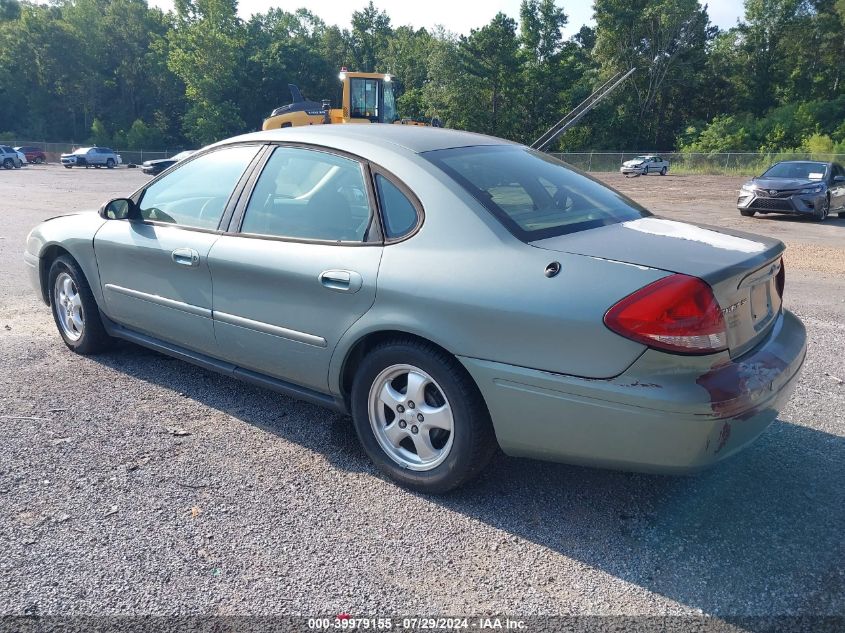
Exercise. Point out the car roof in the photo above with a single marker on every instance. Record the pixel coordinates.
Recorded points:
(414, 138)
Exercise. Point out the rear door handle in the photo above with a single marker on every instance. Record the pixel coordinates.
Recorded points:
(341, 280)
(185, 257)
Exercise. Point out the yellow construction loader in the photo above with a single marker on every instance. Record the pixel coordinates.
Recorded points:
(367, 98)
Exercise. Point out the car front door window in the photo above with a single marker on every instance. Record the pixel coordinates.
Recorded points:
(196, 194)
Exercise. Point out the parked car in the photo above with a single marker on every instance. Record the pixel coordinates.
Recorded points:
(645, 165)
(92, 157)
(798, 187)
(33, 154)
(22, 157)
(476, 293)
(9, 158)
(159, 165)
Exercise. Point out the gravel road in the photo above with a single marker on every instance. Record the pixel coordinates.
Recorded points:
(131, 483)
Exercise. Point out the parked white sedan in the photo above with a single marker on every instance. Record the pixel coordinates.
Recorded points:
(645, 165)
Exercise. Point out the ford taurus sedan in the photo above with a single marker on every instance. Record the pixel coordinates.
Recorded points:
(453, 292)
(796, 187)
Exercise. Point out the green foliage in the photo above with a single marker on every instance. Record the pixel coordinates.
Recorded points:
(99, 134)
(122, 73)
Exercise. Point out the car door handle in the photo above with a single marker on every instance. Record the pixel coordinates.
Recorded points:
(341, 280)
(185, 257)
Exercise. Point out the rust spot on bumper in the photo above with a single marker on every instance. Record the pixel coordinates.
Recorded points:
(736, 388)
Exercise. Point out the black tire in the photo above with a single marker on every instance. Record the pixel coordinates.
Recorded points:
(68, 166)
(663, 171)
(97, 166)
(93, 338)
(748, 213)
(110, 163)
(39, 160)
(473, 442)
(841, 214)
(822, 212)
(8, 163)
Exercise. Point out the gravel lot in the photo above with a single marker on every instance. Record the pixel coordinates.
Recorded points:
(135, 484)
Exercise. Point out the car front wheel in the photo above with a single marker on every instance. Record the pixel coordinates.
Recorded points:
(75, 309)
(8, 164)
(821, 213)
(110, 163)
(420, 417)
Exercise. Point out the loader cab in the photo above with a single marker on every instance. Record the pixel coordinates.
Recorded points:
(368, 97)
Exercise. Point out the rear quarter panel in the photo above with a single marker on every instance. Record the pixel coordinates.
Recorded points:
(464, 282)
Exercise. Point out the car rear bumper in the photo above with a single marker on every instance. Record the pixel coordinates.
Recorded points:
(795, 204)
(654, 417)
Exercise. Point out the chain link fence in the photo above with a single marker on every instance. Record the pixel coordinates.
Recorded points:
(727, 163)
(55, 150)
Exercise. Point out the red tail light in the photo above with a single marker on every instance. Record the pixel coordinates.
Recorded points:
(780, 280)
(677, 313)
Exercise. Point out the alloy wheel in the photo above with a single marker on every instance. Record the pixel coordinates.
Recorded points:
(411, 418)
(68, 304)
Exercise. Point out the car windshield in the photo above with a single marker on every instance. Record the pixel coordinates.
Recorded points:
(642, 158)
(799, 170)
(82, 150)
(533, 194)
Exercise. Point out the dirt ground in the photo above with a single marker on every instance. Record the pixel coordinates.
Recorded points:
(135, 484)
(811, 246)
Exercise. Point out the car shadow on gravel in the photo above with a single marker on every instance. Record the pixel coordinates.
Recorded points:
(758, 534)
(831, 220)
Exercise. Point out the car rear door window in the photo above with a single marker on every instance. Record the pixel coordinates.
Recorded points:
(309, 194)
(195, 194)
(398, 212)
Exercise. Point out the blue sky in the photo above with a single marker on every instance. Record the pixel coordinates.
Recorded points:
(459, 17)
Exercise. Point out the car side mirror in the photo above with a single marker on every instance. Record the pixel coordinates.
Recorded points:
(839, 179)
(117, 209)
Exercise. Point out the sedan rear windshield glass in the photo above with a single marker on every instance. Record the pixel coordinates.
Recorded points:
(533, 194)
(798, 171)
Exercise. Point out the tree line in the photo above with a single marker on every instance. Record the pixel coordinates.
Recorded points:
(122, 73)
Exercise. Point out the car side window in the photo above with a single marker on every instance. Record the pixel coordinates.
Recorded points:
(195, 194)
(398, 213)
(309, 194)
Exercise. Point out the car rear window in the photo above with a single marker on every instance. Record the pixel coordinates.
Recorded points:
(533, 194)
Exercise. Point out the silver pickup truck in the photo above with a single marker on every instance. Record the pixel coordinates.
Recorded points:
(92, 157)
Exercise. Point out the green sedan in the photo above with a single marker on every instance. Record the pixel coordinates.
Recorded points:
(454, 293)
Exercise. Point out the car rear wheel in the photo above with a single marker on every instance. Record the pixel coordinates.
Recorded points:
(663, 171)
(420, 417)
(110, 163)
(748, 213)
(39, 160)
(75, 309)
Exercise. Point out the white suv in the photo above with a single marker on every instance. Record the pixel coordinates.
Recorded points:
(9, 158)
(92, 157)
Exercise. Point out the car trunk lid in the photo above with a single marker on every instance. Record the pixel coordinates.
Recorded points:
(740, 267)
